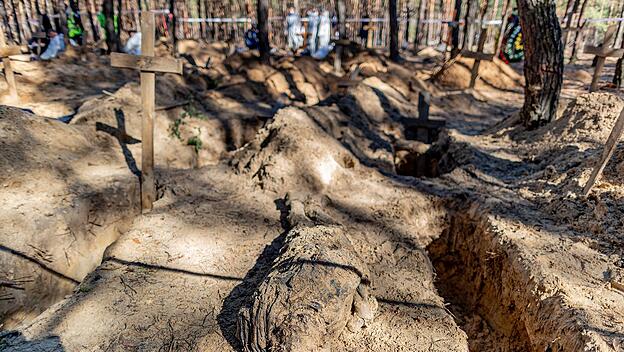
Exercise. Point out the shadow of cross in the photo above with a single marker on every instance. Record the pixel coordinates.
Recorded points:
(5, 53)
(123, 138)
(148, 65)
(602, 52)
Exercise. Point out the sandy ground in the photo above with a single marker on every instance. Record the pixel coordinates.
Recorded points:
(492, 252)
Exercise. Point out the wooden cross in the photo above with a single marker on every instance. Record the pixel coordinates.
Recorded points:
(148, 65)
(614, 137)
(478, 56)
(602, 53)
(5, 53)
(423, 127)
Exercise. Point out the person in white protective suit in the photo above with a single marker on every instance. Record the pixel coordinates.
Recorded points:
(293, 30)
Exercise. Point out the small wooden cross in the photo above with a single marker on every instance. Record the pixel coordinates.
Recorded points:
(614, 137)
(602, 53)
(148, 65)
(478, 56)
(422, 128)
(5, 53)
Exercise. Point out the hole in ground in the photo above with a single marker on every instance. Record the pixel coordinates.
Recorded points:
(475, 276)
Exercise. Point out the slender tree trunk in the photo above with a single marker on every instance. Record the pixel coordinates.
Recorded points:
(16, 18)
(112, 40)
(578, 31)
(172, 26)
(543, 66)
(617, 76)
(263, 30)
(7, 23)
(455, 32)
(570, 12)
(467, 24)
(341, 10)
(94, 28)
(419, 14)
(120, 22)
(394, 31)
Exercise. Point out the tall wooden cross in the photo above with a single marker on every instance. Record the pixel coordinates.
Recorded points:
(478, 56)
(602, 53)
(148, 65)
(5, 53)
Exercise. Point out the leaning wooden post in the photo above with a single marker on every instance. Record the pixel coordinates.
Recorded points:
(614, 137)
(5, 52)
(148, 65)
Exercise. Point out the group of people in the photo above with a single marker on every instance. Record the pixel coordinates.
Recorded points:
(48, 43)
(317, 33)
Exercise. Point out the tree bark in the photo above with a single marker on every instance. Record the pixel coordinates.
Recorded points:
(418, 26)
(455, 32)
(341, 10)
(394, 31)
(543, 66)
(263, 30)
(578, 31)
(112, 40)
(94, 28)
(172, 25)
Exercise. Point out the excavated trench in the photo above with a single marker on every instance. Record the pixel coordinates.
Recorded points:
(486, 295)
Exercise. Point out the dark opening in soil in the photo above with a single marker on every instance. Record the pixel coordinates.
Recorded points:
(474, 276)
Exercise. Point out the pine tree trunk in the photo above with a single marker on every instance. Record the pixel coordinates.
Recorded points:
(577, 34)
(94, 28)
(455, 32)
(419, 14)
(112, 40)
(263, 30)
(394, 31)
(172, 25)
(341, 10)
(543, 66)
(16, 18)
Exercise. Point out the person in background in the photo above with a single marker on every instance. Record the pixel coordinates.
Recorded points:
(40, 41)
(251, 37)
(313, 27)
(364, 28)
(293, 30)
(74, 23)
(324, 30)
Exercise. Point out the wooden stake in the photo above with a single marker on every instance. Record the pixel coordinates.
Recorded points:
(148, 65)
(614, 137)
(5, 52)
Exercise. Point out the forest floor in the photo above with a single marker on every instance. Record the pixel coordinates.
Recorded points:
(296, 211)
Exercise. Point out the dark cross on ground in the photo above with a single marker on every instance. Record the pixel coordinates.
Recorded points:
(614, 137)
(602, 53)
(422, 128)
(148, 65)
(478, 56)
(5, 53)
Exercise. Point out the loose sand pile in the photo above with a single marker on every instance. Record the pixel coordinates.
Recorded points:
(64, 200)
(493, 74)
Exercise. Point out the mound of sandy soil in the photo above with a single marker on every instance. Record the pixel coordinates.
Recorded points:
(66, 191)
(173, 128)
(588, 119)
(180, 276)
(494, 74)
